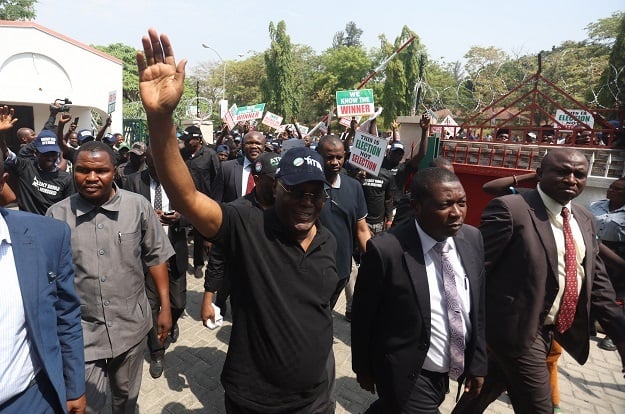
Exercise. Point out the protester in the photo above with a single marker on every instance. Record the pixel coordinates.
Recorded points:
(280, 353)
(345, 212)
(203, 165)
(40, 183)
(114, 233)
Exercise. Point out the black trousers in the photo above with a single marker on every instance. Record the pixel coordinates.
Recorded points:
(178, 302)
(427, 395)
(525, 377)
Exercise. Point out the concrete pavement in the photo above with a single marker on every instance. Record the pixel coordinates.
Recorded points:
(190, 383)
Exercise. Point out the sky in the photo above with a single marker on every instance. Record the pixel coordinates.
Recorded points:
(236, 28)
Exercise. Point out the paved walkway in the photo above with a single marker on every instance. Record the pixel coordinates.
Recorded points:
(190, 383)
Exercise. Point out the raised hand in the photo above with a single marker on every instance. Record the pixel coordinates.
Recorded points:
(6, 118)
(161, 81)
(425, 121)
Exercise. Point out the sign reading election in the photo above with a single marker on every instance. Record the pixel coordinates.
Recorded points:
(354, 103)
(367, 152)
(272, 120)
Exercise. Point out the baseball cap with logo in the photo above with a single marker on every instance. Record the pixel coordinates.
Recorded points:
(85, 135)
(301, 165)
(223, 148)
(266, 164)
(191, 132)
(110, 138)
(138, 148)
(396, 146)
(47, 141)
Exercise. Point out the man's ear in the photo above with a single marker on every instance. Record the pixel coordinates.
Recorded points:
(539, 173)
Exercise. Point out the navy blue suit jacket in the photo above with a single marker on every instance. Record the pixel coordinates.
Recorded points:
(43, 260)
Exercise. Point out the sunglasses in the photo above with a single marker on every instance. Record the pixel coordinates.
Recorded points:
(300, 195)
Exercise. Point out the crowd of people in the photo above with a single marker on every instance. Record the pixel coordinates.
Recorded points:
(96, 262)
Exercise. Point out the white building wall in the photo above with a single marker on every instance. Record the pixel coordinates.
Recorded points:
(38, 66)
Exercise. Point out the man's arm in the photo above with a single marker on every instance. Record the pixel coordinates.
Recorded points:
(102, 130)
(161, 84)
(501, 186)
(6, 123)
(69, 329)
(496, 229)
(423, 144)
(363, 234)
(367, 296)
(161, 280)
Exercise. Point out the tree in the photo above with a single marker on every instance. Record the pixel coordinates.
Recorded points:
(128, 55)
(613, 78)
(339, 69)
(350, 37)
(402, 75)
(605, 30)
(17, 9)
(278, 89)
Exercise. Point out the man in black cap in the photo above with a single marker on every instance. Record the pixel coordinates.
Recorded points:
(280, 352)
(203, 165)
(40, 182)
(135, 163)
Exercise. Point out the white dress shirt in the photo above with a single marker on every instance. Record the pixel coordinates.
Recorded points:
(437, 358)
(554, 210)
(247, 170)
(18, 366)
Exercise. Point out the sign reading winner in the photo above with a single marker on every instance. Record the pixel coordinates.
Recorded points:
(354, 103)
(367, 152)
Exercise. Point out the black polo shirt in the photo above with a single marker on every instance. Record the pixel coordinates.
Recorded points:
(282, 322)
(341, 213)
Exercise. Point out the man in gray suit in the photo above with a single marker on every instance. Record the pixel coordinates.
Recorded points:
(114, 234)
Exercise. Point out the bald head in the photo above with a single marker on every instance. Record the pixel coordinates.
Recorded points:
(26, 135)
(562, 174)
(253, 145)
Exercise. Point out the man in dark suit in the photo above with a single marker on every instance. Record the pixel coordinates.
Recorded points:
(147, 184)
(544, 278)
(236, 178)
(41, 356)
(403, 343)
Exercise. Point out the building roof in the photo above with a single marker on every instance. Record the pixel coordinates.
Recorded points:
(33, 25)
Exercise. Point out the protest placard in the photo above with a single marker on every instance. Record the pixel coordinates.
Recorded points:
(247, 113)
(272, 120)
(354, 102)
(367, 152)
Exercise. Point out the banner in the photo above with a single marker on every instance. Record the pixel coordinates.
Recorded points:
(346, 122)
(354, 102)
(230, 117)
(368, 152)
(568, 122)
(247, 113)
(272, 120)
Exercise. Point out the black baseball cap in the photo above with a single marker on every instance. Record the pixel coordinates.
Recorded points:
(301, 165)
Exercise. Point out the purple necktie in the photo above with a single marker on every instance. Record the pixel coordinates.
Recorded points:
(454, 313)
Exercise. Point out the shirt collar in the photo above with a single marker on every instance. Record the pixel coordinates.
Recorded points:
(427, 242)
(552, 205)
(246, 163)
(4, 231)
(337, 182)
(83, 206)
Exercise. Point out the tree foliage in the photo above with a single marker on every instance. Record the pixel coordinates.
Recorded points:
(278, 89)
(605, 30)
(350, 37)
(17, 9)
(612, 93)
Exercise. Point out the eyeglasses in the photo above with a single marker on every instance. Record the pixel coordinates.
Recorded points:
(299, 195)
